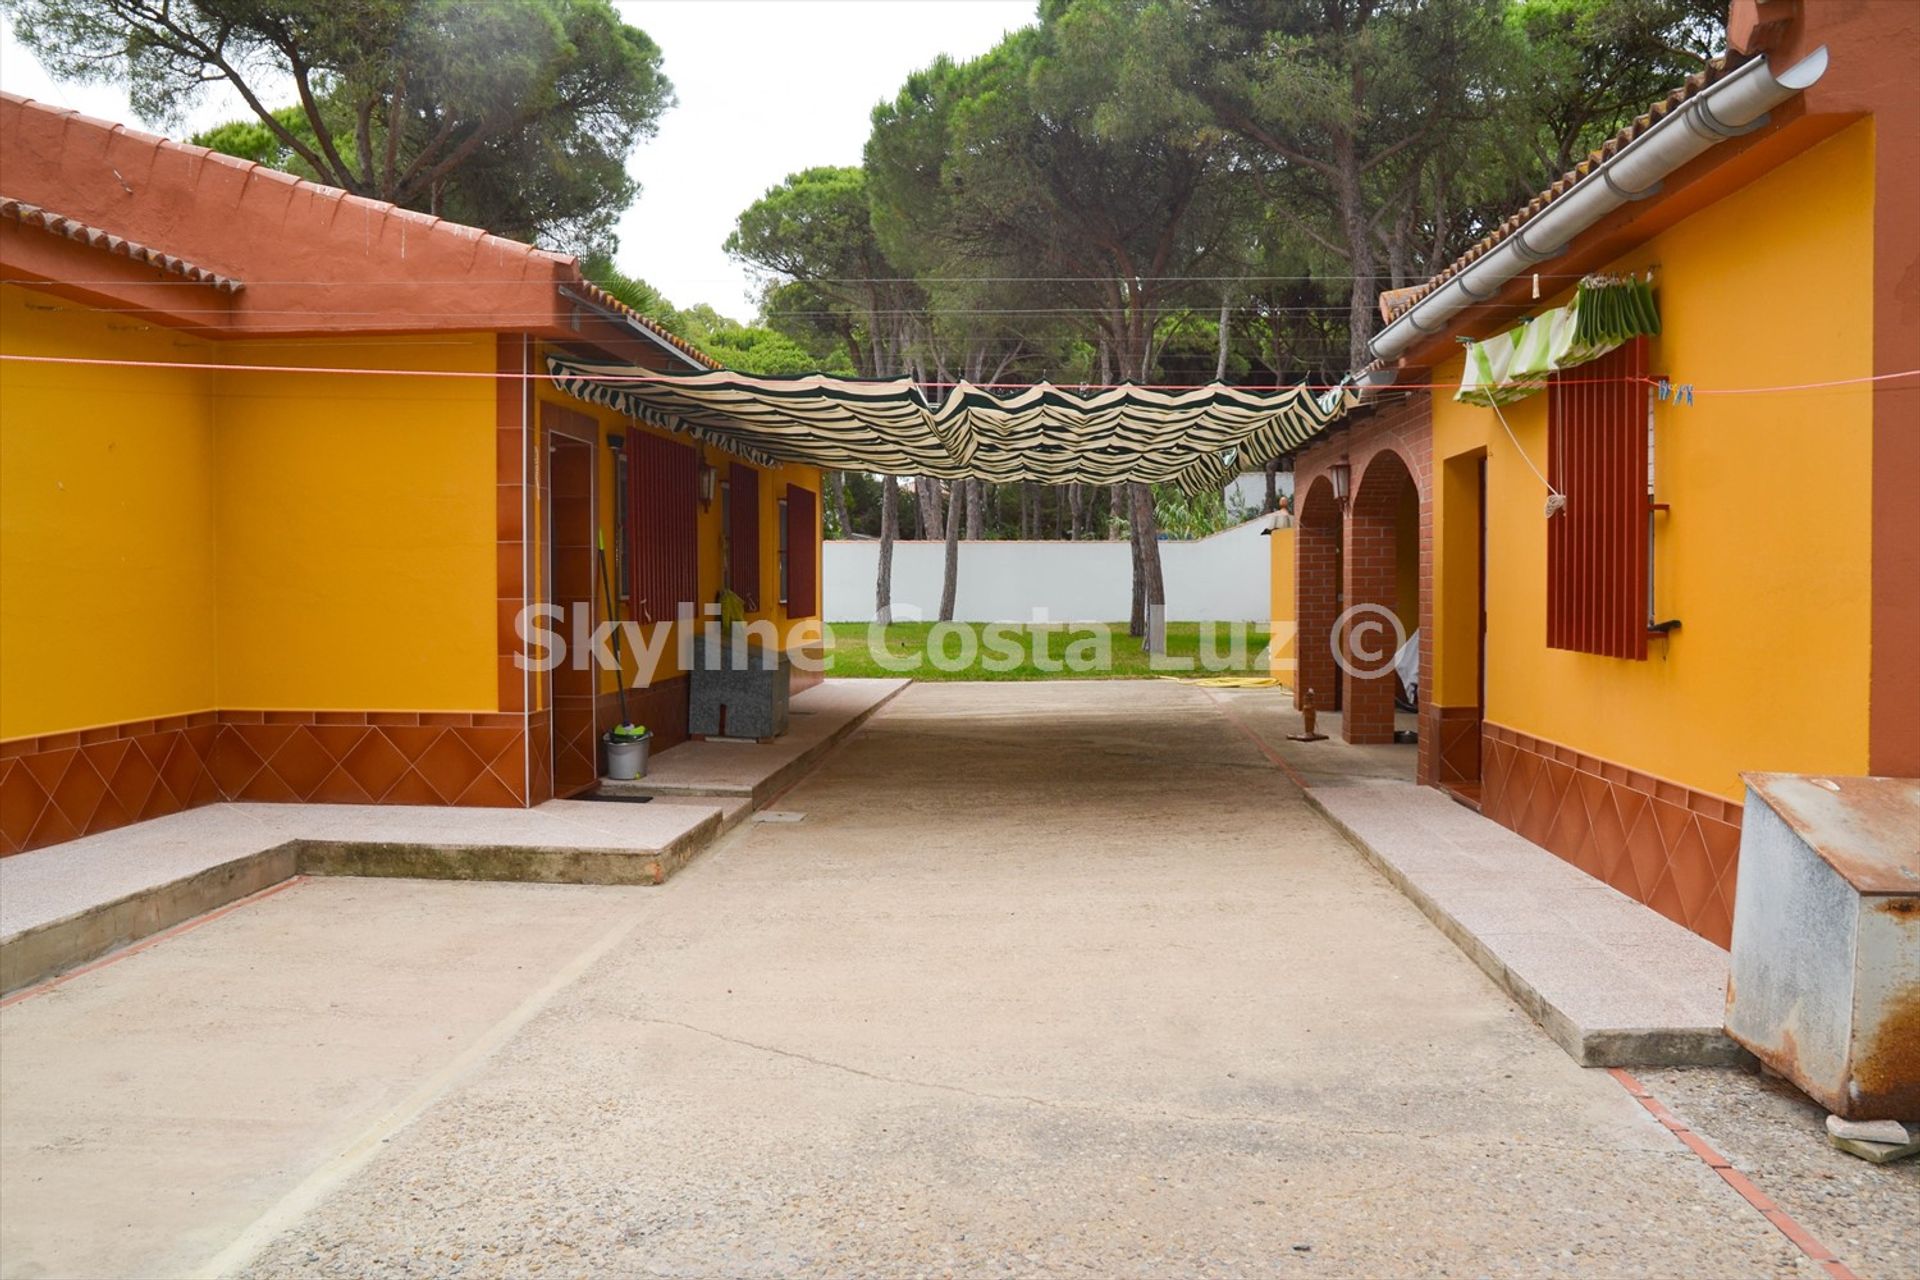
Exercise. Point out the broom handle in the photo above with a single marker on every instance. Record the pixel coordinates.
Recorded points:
(613, 603)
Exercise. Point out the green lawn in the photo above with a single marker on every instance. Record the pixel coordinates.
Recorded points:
(1057, 651)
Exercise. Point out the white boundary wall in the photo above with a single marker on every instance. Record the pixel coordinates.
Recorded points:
(1223, 578)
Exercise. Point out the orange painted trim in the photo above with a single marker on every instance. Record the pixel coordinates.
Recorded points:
(1871, 76)
(1778, 1218)
(1893, 690)
(36, 259)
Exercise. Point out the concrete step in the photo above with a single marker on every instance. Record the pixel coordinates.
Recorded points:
(1615, 983)
(822, 717)
(65, 905)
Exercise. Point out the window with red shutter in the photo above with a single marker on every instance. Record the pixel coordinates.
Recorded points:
(664, 490)
(743, 532)
(803, 543)
(1598, 546)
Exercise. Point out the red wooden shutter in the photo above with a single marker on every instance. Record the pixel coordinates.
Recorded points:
(743, 483)
(665, 490)
(803, 548)
(1597, 546)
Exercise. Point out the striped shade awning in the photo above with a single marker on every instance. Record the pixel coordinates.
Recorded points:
(1197, 437)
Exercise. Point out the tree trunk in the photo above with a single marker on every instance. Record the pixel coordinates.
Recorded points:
(889, 530)
(1273, 486)
(1360, 256)
(1400, 247)
(1220, 365)
(1151, 590)
(837, 500)
(1137, 613)
(976, 509)
(950, 583)
(926, 499)
(1077, 507)
(1143, 524)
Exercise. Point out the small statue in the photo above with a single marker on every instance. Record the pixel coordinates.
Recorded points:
(1308, 715)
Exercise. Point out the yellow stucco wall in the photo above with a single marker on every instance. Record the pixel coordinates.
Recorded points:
(1456, 570)
(1282, 653)
(194, 540)
(107, 523)
(357, 528)
(1406, 559)
(1764, 557)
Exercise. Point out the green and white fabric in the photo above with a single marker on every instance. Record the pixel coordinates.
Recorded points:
(1514, 365)
(1196, 437)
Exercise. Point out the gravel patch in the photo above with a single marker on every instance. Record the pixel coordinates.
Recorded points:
(1868, 1215)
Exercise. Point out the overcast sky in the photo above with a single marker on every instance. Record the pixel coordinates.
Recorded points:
(766, 87)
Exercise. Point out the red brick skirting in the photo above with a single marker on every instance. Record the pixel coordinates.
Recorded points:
(1454, 734)
(1669, 846)
(66, 785)
(63, 786)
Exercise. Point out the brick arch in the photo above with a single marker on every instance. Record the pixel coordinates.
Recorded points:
(1377, 488)
(1316, 564)
(1372, 578)
(1402, 425)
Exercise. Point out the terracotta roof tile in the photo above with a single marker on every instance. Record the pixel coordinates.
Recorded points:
(73, 151)
(607, 300)
(32, 215)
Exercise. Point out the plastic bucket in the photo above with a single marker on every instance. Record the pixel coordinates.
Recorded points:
(627, 757)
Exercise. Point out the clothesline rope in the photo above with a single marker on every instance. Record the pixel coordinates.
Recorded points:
(516, 375)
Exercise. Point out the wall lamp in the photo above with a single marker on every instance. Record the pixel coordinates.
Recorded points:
(1341, 474)
(707, 474)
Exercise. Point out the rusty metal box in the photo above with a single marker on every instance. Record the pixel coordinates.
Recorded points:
(1824, 984)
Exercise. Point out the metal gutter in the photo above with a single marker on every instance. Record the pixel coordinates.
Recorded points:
(1737, 104)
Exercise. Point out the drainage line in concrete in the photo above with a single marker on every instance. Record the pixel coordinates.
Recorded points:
(1779, 1218)
(134, 948)
(1257, 740)
(825, 756)
(356, 1153)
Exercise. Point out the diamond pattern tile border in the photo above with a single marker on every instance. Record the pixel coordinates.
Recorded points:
(64, 786)
(1671, 847)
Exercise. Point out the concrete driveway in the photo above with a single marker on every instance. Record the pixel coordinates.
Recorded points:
(1048, 978)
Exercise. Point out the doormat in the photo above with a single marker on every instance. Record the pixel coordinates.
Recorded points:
(601, 795)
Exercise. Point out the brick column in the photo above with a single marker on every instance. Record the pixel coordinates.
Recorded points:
(1316, 550)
